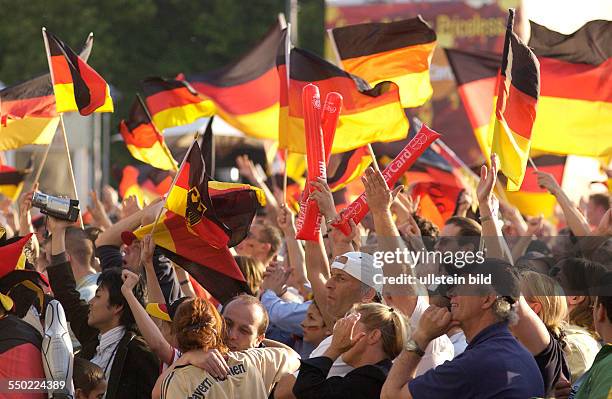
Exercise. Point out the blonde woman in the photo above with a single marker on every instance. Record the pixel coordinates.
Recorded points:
(368, 339)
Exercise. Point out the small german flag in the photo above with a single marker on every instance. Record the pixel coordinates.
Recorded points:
(531, 199)
(27, 110)
(347, 166)
(222, 221)
(143, 140)
(77, 86)
(368, 114)
(246, 92)
(11, 181)
(174, 103)
(398, 51)
(518, 89)
(576, 71)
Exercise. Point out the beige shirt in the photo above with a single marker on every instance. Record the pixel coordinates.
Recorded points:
(253, 374)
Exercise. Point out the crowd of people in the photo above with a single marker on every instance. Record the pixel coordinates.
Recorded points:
(324, 319)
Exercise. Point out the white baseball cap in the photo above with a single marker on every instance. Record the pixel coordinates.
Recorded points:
(359, 265)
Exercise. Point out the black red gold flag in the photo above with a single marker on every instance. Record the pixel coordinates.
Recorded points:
(174, 102)
(143, 140)
(246, 92)
(399, 51)
(77, 86)
(368, 114)
(518, 89)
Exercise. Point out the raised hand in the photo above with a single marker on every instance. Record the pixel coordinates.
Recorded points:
(484, 190)
(146, 250)
(547, 181)
(286, 221)
(379, 196)
(129, 206)
(130, 280)
(323, 195)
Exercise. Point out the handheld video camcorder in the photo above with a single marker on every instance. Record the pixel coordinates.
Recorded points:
(59, 208)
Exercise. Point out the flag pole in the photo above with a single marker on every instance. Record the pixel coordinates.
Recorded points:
(161, 210)
(332, 41)
(61, 116)
(74, 188)
(42, 161)
(533, 165)
(288, 68)
(164, 146)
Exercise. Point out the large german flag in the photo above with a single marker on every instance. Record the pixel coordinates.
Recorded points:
(531, 199)
(143, 140)
(573, 78)
(399, 51)
(174, 103)
(518, 89)
(221, 222)
(11, 181)
(347, 166)
(246, 92)
(77, 86)
(214, 268)
(575, 108)
(368, 114)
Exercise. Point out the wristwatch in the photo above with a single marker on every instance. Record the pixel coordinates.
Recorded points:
(411, 346)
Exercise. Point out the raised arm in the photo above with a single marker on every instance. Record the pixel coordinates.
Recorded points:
(294, 249)
(575, 220)
(63, 284)
(151, 334)
(491, 231)
(154, 290)
(318, 274)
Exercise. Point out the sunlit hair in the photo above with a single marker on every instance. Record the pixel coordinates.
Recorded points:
(252, 270)
(537, 287)
(198, 325)
(389, 322)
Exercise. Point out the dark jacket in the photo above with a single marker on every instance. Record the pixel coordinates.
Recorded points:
(110, 256)
(135, 368)
(362, 383)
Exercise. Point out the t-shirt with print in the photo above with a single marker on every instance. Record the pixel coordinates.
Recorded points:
(253, 374)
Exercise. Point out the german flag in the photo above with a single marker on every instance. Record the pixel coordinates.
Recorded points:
(221, 222)
(77, 86)
(531, 199)
(174, 103)
(11, 181)
(27, 114)
(575, 107)
(246, 92)
(399, 51)
(476, 76)
(144, 182)
(518, 89)
(368, 114)
(27, 110)
(143, 140)
(347, 166)
(213, 268)
(438, 190)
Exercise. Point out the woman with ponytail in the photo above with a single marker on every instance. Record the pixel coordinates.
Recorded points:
(368, 339)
